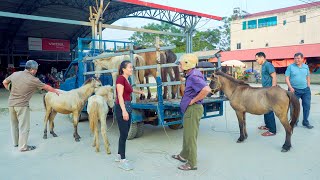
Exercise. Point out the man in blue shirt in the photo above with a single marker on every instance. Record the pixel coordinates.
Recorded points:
(268, 79)
(298, 81)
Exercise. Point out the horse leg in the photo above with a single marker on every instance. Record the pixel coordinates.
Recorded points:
(283, 117)
(104, 134)
(245, 126)
(51, 118)
(96, 135)
(174, 88)
(94, 140)
(148, 88)
(164, 76)
(75, 125)
(46, 117)
(240, 116)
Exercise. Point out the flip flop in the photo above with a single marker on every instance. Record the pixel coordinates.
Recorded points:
(29, 148)
(268, 133)
(187, 167)
(263, 128)
(179, 158)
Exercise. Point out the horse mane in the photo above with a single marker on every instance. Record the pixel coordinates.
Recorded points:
(230, 78)
(89, 80)
(135, 47)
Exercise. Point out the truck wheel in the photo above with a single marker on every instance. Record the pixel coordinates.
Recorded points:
(132, 131)
(176, 126)
(140, 130)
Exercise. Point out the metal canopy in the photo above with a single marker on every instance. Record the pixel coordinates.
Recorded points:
(14, 31)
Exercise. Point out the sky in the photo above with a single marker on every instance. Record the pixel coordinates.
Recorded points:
(215, 7)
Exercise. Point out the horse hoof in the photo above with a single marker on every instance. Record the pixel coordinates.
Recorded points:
(54, 134)
(109, 152)
(45, 136)
(284, 150)
(239, 141)
(77, 139)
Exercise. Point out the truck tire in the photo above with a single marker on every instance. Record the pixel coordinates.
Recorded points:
(83, 117)
(140, 131)
(132, 131)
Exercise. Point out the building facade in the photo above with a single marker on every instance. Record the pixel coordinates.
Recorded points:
(296, 25)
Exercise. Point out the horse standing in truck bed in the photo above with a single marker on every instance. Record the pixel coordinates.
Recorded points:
(167, 56)
(114, 63)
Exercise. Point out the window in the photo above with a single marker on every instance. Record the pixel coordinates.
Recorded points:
(303, 18)
(72, 71)
(238, 45)
(252, 24)
(244, 25)
(265, 22)
(284, 22)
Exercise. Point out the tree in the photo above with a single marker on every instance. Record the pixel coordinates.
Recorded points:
(202, 40)
(205, 40)
(224, 43)
(147, 39)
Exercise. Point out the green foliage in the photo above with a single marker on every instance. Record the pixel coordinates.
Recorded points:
(202, 40)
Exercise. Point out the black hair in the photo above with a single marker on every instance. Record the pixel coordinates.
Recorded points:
(298, 54)
(261, 54)
(123, 65)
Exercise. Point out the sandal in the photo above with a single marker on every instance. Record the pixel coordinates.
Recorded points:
(179, 158)
(268, 133)
(29, 148)
(263, 128)
(187, 167)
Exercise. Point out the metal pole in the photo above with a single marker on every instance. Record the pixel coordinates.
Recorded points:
(133, 78)
(82, 23)
(100, 34)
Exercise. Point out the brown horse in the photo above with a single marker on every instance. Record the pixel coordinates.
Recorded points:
(165, 57)
(256, 100)
(69, 102)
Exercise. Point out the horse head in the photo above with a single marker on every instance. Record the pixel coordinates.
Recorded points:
(215, 83)
(94, 82)
(107, 93)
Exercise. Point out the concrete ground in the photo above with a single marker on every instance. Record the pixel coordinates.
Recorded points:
(219, 156)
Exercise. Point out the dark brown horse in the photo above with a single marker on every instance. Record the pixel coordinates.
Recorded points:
(256, 100)
(173, 72)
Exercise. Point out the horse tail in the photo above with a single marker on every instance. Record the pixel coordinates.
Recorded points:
(140, 62)
(294, 108)
(93, 116)
(44, 102)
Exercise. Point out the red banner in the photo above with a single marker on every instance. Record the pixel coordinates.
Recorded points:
(55, 45)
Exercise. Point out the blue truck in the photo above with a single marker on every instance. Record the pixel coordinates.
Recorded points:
(159, 112)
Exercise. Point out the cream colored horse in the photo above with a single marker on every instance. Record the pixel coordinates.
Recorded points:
(69, 102)
(114, 63)
(98, 110)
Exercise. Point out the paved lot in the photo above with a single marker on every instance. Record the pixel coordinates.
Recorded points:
(219, 156)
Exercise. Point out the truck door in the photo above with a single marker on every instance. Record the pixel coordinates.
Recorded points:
(70, 78)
